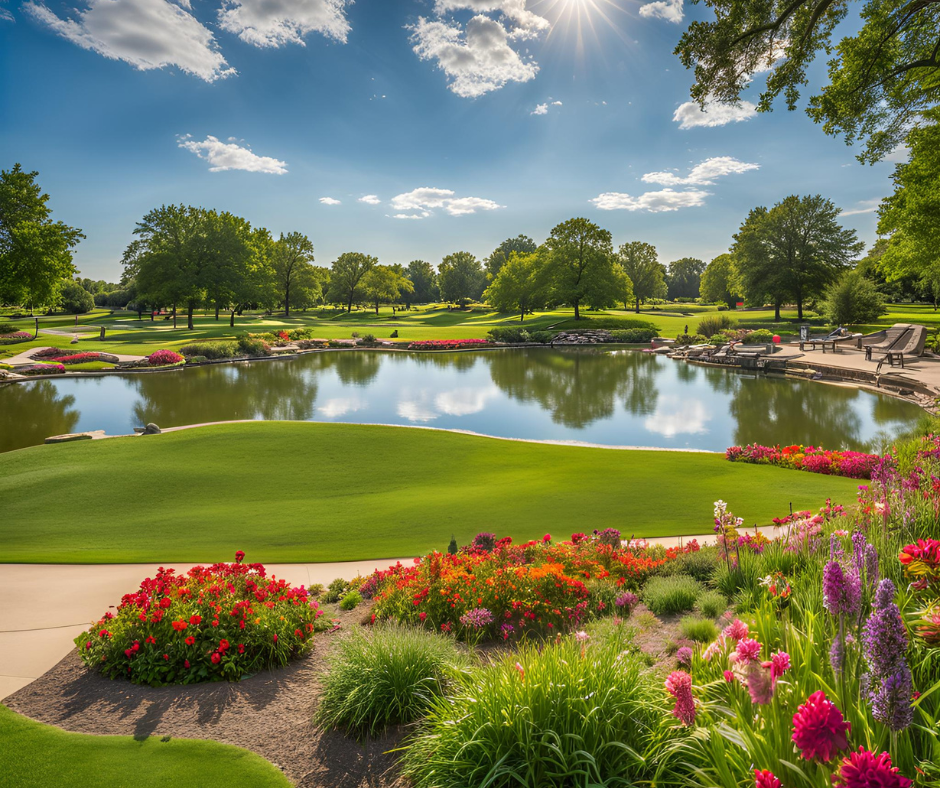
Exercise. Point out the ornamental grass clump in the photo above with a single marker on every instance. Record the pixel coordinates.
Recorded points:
(388, 677)
(577, 712)
(219, 622)
(711, 604)
(701, 630)
(675, 594)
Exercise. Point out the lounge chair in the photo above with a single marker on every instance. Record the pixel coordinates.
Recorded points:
(838, 337)
(894, 338)
(914, 348)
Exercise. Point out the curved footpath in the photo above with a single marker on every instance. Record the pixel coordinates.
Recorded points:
(44, 607)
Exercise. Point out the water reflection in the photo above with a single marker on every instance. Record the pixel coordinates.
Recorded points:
(584, 394)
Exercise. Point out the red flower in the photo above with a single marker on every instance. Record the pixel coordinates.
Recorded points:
(128, 653)
(819, 729)
(165, 602)
(241, 648)
(166, 656)
(764, 778)
(195, 620)
(185, 663)
(298, 633)
(150, 640)
(136, 646)
(88, 645)
(275, 638)
(223, 645)
(864, 769)
(179, 626)
(190, 640)
(216, 657)
(104, 634)
(239, 556)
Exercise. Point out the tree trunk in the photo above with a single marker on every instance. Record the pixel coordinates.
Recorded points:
(776, 310)
(231, 320)
(799, 306)
(521, 315)
(577, 311)
(189, 316)
(349, 305)
(376, 307)
(151, 315)
(174, 315)
(638, 305)
(216, 311)
(287, 301)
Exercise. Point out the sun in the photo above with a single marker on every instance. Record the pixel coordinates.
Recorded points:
(581, 18)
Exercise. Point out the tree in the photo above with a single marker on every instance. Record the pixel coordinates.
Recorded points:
(75, 299)
(424, 281)
(385, 284)
(498, 258)
(853, 300)
(881, 80)
(581, 264)
(756, 275)
(346, 277)
(520, 286)
(640, 262)
(35, 251)
(292, 265)
(684, 278)
(717, 281)
(461, 278)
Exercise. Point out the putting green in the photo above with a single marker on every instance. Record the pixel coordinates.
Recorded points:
(299, 491)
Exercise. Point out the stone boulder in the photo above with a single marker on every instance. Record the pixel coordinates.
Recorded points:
(151, 429)
(586, 337)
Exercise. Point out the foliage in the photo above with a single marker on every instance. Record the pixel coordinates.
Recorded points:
(448, 344)
(521, 244)
(15, 337)
(250, 346)
(74, 298)
(350, 600)
(853, 300)
(715, 324)
(571, 713)
(711, 604)
(335, 590)
(691, 339)
(294, 274)
(162, 358)
(77, 358)
(460, 278)
(346, 275)
(41, 369)
(674, 594)
(641, 264)
(700, 630)
(881, 79)
(210, 350)
(388, 677)
(580, 265)
(759, 336)
(225, 621)
(520, 286)
(718, 281)
(610, 324)
(634, 335)
(684, 278)
(423, 279)
(514, 334)
(383, 284)
(855, 465)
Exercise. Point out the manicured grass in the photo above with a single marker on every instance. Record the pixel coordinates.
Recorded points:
(299, 491)
(36, 754)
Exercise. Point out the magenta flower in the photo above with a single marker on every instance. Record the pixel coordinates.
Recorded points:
(748, 650)
(864, 769)
(679, 685)
(764, 778)
(819, 729)
(736, 630)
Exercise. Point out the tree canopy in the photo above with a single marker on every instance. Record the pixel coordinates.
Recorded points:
(641, 264)
(292, 266)
(424, 281)
(581, 266)
(881, 80)
(385, 284)
(684, 278)
(497, 259)
(346, 277)
(520, 286)
(717, 282)
(460, 277)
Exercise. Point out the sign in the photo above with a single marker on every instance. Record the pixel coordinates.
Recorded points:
(804, 332)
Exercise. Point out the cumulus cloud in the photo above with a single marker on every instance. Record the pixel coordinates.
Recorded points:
(329, 201)
(340, 406)
(702, 174)
(423, 200)
(370, 199)
(273, 23)
(5, 14)
(654, 202)
(900, 155)
(465, 401)
(147, 34)
(690, 115)
(478, 57)
(231, 156)
(678, 416)
(542, 109)
(670, 10)
(864, 206)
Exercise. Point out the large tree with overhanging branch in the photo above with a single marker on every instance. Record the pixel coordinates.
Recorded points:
(581, 266)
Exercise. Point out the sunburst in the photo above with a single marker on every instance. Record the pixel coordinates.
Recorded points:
(579, 18)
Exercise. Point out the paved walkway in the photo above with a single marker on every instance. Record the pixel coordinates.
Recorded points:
(44, 607)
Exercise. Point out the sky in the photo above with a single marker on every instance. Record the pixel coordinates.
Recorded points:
(405, 129)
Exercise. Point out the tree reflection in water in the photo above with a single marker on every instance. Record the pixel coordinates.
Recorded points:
(577, 386)
(31, 412)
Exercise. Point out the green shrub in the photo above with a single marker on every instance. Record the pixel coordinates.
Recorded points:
(717, 339)
(516, 334)
(316, 589)
(714, 324)
(210, 349)
(386, 678)
(610, 323)
(568, 714)
(701, 630)
(634, 335)
(674, 594)
(691, 339)
(759, 337)
(711, 604)
(251, 346)
(700, 564)
(196, 360)
(335, 590)
(8, 328)
(350, 601)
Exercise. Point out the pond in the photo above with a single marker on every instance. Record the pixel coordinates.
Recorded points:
(614, 397)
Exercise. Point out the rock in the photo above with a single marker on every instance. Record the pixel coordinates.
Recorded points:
(585, 337)
(151, 429)
(109, 357)
(74, 341)
(75, 436)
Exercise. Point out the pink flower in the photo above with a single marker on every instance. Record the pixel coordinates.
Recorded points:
(713, 649)
(819, 729)
(779, 664)
(736, 630)
(521, 670)
(760, 685)
(679, 685)
(729, 676)
(864, 769)
(748, 650)
(582, 636)
(764, 778)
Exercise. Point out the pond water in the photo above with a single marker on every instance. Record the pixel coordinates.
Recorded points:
(615, 397)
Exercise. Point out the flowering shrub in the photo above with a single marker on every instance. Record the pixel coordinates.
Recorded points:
(496, 589)
(447, 344)
(163, 358)
(852, 464)
(41, 369)
(78, 358)
(49, 352)
(225, 621)
(16, 336)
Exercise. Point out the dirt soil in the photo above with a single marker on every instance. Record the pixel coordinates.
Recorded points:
(269, 713)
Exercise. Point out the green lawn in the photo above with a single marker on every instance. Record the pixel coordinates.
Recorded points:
(43, 755)
(297, 491)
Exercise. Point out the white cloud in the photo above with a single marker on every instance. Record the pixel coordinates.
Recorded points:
(464, 401)
(702, 174)
(528, 24)
(654, 202)
(542, 109)
(477, 59)
(690, 115)
(863, 206)
(340, 406)
(370, 199)
(678, 416)
(416, 410)
(231, 156)
(273, 23)
(329, 201)
(147, 34)
(670, 10)
(423, 200)
(5, 14)
(900, 155)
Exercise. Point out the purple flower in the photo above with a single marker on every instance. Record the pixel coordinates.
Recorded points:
(888, 681)
(837, 655)
(477, 618)
(684, 656)
(871, 565)
(842, 592)
(627, 600)
(507, 630)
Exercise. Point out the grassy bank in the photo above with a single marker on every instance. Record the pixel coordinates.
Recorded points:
(295, 491)
(36, 754)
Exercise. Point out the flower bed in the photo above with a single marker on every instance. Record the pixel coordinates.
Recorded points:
(225, 621)
(164, 358)
(41, 369)
(494, 589)
(853, 464)
(16, 336)
(448, 344)
(49, 352)
(78, 358)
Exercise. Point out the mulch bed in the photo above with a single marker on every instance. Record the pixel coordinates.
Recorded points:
(269, 713)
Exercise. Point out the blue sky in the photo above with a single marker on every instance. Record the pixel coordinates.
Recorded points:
(476, 119)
